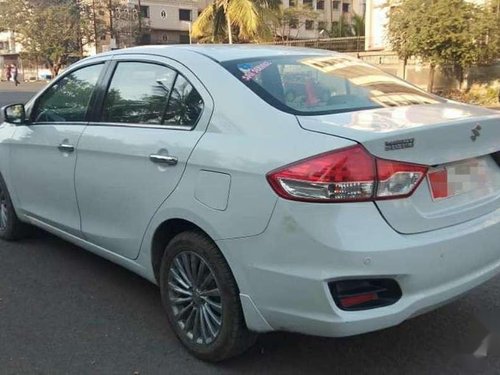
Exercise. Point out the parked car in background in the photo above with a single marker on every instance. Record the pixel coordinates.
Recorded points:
(352, 206)
(44, 75)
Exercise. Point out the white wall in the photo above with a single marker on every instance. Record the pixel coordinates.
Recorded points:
(8, 42)
(376, 20)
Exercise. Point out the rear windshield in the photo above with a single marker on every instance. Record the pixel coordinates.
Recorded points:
(312, 85)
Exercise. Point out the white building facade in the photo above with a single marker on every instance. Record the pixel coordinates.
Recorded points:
(9, 51)
(329, 13)
(170, 20)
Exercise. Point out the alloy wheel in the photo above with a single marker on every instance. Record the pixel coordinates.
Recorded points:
(195, 298)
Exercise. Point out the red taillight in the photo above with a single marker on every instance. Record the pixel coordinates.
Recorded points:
(349, 174)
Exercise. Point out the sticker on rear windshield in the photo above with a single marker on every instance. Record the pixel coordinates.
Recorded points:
(250, 72)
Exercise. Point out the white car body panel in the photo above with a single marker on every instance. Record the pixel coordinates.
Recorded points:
(39, 169)
(282, 253)
(441, 132)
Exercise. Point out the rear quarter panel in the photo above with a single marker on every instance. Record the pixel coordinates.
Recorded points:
(246, 139)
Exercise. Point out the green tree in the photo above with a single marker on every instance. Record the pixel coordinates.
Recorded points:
(50, 31)
(341, 28)
(243, 20)
(446, 33)
(358, 25)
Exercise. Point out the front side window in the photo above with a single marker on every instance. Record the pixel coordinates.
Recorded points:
(323, 84)
(150, 94)
(68, 99)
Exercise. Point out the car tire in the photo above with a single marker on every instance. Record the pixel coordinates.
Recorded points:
(198, 291)
(11, 228)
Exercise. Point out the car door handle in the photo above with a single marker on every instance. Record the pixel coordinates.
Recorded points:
(163, 159)
(65, 147)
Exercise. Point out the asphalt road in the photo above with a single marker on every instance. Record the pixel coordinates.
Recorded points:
(66, 311)
(10, 94)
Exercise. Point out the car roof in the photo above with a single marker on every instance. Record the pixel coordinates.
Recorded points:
(222, 52)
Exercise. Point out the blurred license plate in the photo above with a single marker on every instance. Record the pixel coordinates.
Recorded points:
(462, 177)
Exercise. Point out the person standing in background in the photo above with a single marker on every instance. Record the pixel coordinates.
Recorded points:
(8, 74)
(15, 72)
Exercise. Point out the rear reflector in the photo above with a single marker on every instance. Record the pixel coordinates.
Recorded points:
(346, 175)
(348, 302)
(364, 294)
(438, 180)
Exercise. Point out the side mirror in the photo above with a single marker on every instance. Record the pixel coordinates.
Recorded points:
(14, 114)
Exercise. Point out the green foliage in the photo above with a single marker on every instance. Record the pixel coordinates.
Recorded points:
(341, 28)
(49, 30)
(478, 94)
(453, 33)
(247, 20)
(358, 25)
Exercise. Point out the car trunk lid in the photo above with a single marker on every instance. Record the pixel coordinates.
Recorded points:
(458, 142)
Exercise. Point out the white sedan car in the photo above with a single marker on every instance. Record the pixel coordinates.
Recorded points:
(261, 188)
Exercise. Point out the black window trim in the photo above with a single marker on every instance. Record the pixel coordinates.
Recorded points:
(92, 100)
(106, 82)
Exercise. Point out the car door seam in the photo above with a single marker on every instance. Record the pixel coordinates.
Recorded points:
(82, 234)
(176, 185)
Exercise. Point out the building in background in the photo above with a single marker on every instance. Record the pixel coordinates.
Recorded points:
(329, 16)
(170, 21)
(9, 51)
(162, 22)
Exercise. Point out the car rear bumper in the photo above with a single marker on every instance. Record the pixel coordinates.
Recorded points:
(285, 271)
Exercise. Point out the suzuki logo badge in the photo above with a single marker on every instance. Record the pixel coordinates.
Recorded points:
(476, 132)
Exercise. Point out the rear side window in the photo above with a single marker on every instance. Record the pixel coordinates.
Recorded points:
(185, 104)
(68, 99)
(323, 84)
(150, 94)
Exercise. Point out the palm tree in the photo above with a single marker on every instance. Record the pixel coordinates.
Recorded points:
(358, 25)
(250, 20)
(342, 28)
